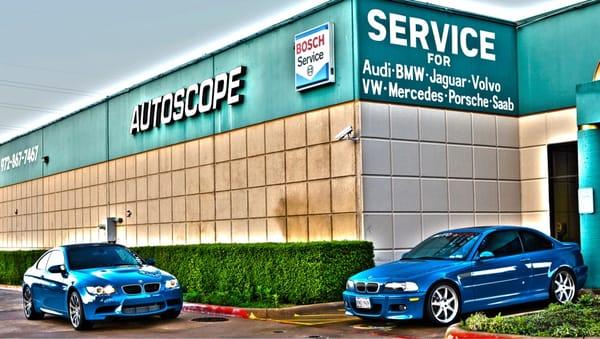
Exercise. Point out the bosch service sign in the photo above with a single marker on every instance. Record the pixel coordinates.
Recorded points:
(314, 58)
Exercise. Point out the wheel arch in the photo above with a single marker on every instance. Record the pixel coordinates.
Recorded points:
(450, 282)
(563, 267)
(71, 289)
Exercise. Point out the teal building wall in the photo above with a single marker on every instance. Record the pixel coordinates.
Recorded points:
(588, 147)
(556, 54)
(101, 132)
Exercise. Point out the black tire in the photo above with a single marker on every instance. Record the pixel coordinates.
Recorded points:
(170, 314)
(76, 313)
(563, 287)
(29, 307)
(443, 304)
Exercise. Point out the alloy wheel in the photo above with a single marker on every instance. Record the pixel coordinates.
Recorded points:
(74, 310)
(444, 304)
(27, 302)
(564, 287)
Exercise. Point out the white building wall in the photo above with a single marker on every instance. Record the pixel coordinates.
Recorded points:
(426, 170)
(536, 132)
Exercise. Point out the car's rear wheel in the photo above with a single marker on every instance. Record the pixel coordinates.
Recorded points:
(443, 304)
(170, 314)
(76, 312)
(563, 286)
(28, 307)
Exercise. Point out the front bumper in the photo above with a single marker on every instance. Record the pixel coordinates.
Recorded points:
(395, 306)
(121, 305)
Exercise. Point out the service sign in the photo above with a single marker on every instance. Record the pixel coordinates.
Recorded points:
(314, 57)
(413, 55)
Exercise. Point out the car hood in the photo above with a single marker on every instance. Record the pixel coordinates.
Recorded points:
(122, 274)
(407, 270)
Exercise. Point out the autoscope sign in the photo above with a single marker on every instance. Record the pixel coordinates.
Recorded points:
(413, 55)
(198, 98)
(314, 57)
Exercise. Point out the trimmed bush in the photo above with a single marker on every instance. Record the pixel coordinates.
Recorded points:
(581, 319)
(258, 275)
(14, 264)
(264, 274)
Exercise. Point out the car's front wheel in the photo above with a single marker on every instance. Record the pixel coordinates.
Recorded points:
(443, 304)
(28, 307)
(563, 287)
(76, 312)
(170, 314)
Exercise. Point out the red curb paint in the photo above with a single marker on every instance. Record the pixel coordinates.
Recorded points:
(215, 309)
(458, 333)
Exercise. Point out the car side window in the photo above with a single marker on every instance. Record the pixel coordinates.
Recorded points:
(41, 264)
(501, 244)
(534, 242)
(56, 258)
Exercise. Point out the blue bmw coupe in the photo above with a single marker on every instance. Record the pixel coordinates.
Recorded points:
(467, 270)
(91, 282)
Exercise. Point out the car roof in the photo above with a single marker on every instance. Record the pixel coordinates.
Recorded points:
(490, 228)
(95, 244)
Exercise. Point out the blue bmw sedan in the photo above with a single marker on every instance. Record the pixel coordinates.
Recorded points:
(467, 270)
(91, 282)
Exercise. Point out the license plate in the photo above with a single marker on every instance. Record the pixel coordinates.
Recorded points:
(363, 303)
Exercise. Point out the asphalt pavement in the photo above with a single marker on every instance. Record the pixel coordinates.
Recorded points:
(328, 324)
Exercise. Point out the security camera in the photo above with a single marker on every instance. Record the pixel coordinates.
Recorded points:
(346, 133)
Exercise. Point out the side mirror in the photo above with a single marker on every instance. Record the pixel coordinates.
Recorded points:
(486, 255)
(57, 269)
(150, 262)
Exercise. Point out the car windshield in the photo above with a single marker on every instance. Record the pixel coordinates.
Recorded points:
(444, 246)
(100, 256)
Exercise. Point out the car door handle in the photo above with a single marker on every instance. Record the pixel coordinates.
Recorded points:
(525, 260)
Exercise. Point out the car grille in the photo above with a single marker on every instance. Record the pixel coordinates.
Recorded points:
(369, 287)
(144, 308)
(137, 288)
(132, 289)
(151, 287)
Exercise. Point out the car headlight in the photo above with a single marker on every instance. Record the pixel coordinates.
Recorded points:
(172, 283)
(407, 286)
(100, 290)
(349, 285)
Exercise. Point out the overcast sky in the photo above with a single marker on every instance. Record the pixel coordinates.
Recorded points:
(60, 55)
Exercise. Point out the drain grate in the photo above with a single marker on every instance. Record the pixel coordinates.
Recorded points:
(210, 319)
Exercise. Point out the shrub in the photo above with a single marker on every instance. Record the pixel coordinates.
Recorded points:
(261, 275)
(568, 320)
(14, 264)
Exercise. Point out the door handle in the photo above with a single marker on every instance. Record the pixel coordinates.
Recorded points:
(525, 260)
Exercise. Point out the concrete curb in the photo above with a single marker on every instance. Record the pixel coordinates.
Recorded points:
(10, 287)
(260, 313)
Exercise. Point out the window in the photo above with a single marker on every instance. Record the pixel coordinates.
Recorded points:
(41, 265)
(448, 245)
(94, 256)
(534, 242)
(502, 243)
(56, 258)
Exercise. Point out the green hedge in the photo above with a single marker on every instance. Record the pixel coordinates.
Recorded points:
(14, 264)
(264, 274)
